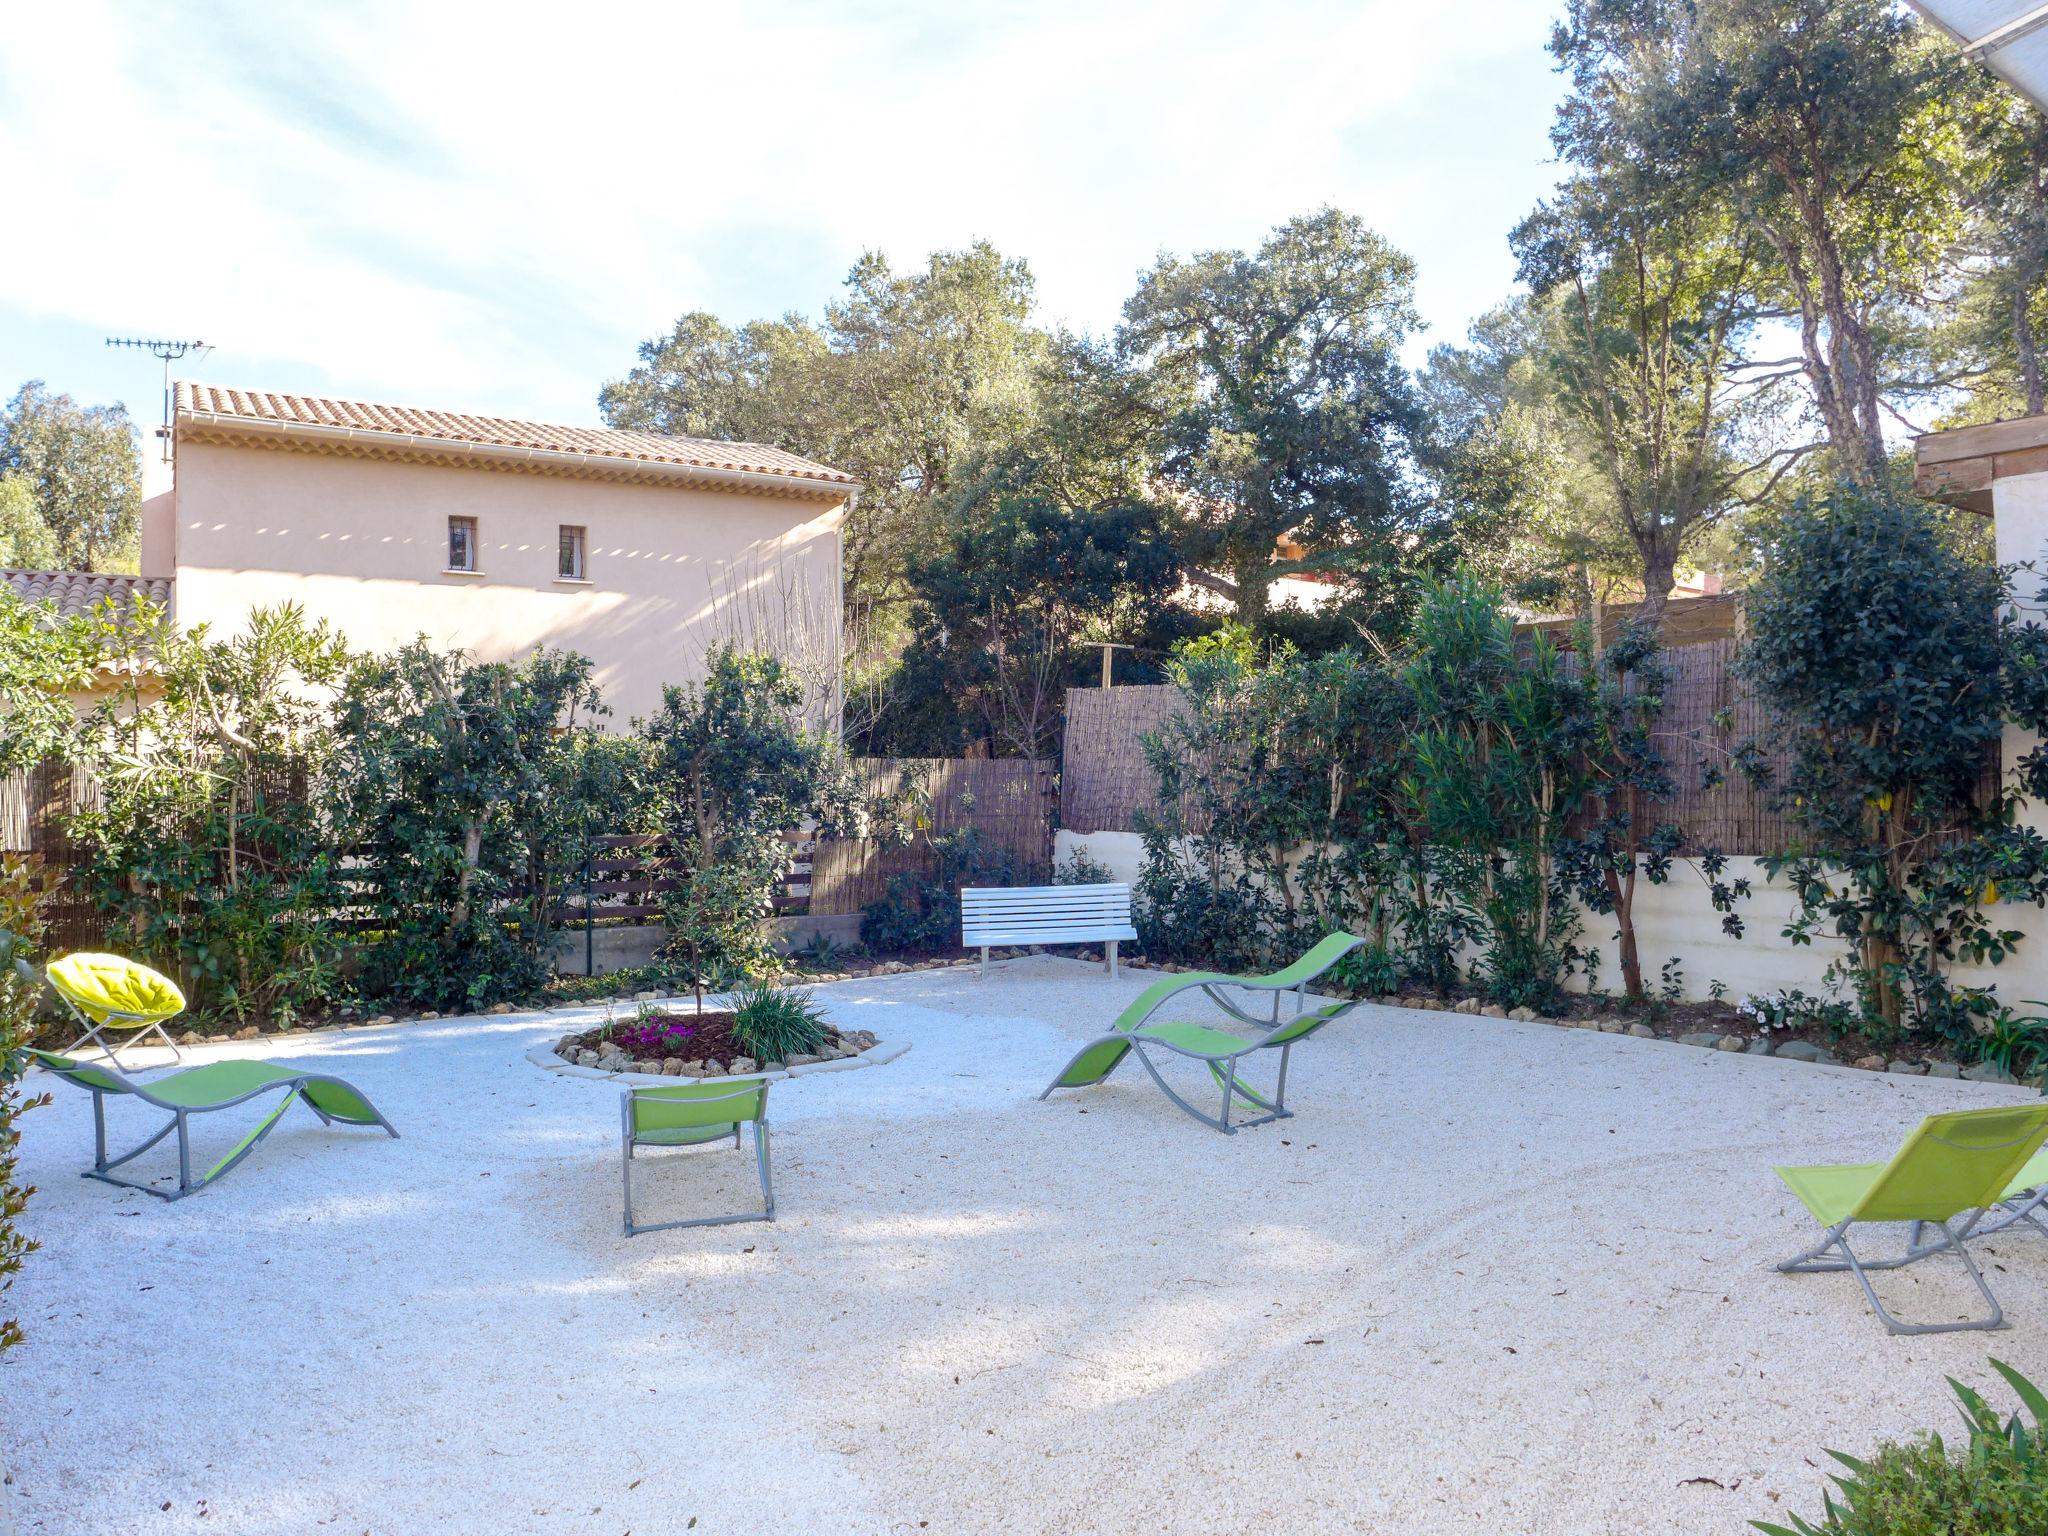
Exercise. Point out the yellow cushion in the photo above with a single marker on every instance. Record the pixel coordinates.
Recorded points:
(108, 987)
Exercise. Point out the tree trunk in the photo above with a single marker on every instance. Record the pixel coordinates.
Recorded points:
(1622, 894)
(1659, 576)
(2025, 344)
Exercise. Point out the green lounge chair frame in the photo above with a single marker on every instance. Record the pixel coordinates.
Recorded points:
(1955, 1165)
(1132, 1034)
(693, 1114)
(201, 1091)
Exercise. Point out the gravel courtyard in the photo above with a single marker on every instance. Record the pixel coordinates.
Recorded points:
(1495, 1278)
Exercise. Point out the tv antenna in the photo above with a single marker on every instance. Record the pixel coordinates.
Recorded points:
(169, 352)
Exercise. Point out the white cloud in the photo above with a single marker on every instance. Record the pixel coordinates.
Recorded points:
(490, 205)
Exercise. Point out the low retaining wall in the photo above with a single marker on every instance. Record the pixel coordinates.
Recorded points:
(1676, 921)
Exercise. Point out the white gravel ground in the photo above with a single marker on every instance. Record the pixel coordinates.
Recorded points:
(1495, 1278)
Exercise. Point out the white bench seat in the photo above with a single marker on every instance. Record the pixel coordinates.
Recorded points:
(1046, 914)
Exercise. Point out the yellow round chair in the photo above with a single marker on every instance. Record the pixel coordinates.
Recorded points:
(112, 992)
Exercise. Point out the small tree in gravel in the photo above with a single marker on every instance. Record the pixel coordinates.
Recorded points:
(733, 767)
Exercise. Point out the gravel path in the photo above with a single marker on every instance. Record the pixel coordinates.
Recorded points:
(1495, 1278)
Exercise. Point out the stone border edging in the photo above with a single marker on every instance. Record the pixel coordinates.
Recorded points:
(544, 1057)
(548, 1059)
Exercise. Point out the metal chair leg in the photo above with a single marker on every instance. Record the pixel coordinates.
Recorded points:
(1812, 1262)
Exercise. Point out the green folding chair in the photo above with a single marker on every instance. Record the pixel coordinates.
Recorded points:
(2024, 1198)
(113, 992)
(1220, 1050)
(201, 1091)
(693, 1114)
(1955, 1164)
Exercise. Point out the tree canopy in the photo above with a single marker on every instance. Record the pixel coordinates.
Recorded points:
(83, 480)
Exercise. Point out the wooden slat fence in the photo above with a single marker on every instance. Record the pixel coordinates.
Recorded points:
(1105, 780)
(1009, 801)
(34, 804)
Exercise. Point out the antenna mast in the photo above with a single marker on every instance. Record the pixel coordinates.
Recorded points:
(169, 352)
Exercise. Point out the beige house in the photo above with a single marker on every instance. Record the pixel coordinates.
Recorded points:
(640, 550)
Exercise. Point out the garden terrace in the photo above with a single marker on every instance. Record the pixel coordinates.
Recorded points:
(1495, 1275)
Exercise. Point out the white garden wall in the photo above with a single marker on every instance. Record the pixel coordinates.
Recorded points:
(1677, 920)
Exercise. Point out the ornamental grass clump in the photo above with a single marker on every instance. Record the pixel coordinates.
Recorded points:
(1997, 1487)
(775, 1023)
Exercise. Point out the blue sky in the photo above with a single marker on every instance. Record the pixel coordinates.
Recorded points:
(489, 206)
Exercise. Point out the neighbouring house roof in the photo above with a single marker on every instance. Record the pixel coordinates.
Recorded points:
(358, 428)
(76, 592)
(1959, 465)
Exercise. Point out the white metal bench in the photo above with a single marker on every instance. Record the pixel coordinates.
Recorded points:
(1046, 914)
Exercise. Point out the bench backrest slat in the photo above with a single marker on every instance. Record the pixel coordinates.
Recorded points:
(1045, 914)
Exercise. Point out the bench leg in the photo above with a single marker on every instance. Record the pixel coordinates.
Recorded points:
(984, 962)
(1111, 951)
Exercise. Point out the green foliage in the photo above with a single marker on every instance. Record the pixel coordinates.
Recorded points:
(1997, 1487)
(27, 543)
(1498, 769)
(1012, 597)
(2016, 1043)
(207, 852)
(822, 953)
(1282, 407)
(1893, 666)
(659, 976)
(21, 989)
(1627, 776)
(1830, 133)
(464, 787)
(1082, 868)
(734, 768)
(83, 476)
(44, 660)
(909, 375)
(775, 1023)
(1279, 783)
(920, 911)
(1203, 906)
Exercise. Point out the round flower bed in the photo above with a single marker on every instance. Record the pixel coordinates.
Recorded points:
(680, 1042)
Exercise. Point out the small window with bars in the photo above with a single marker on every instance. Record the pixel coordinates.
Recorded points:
(461, 543)
(569, 560)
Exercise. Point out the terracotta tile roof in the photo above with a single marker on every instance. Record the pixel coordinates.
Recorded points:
(495, 432)
(75, 592)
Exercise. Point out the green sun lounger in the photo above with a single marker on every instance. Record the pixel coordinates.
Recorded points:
(1219, 1049)
(1959, 1164)
(200, 1091)
(693, 1114)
